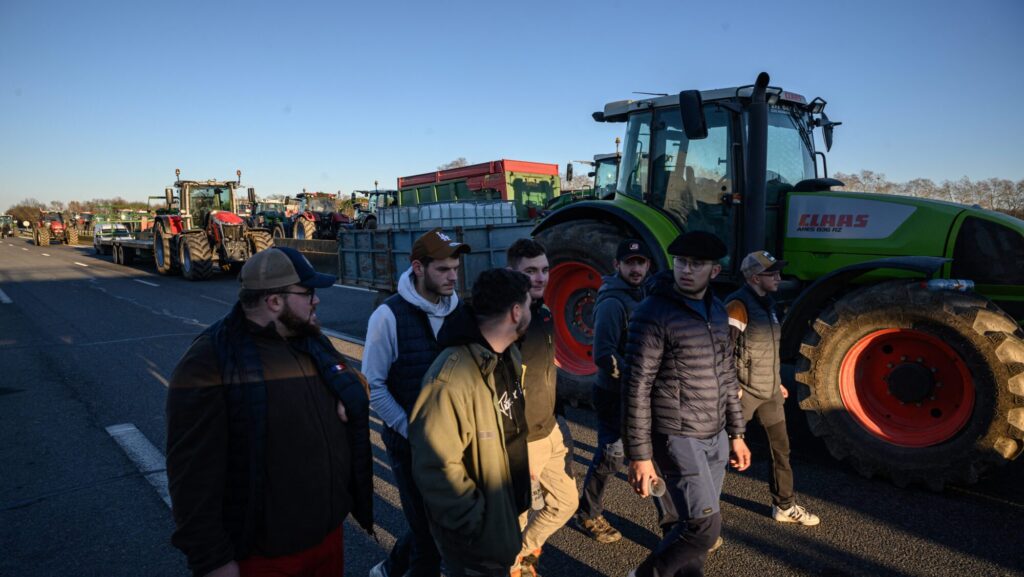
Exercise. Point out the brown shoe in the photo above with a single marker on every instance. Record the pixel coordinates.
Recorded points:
(526, 565)
(598, 528)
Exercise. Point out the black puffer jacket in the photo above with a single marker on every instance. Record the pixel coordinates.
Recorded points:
(682, 376)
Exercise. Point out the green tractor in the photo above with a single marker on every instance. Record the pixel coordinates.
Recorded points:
(902, 315)
(270, 214)
(7, 226)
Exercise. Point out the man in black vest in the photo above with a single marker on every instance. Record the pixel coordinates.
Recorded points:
(401, 343)
(268, 438)
(755, 326)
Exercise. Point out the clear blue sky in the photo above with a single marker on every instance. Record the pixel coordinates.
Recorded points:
(103, 98)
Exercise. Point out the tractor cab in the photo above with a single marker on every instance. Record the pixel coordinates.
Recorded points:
(605, 174)
(698, 175)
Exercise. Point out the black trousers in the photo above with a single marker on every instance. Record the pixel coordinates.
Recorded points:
(415, 553)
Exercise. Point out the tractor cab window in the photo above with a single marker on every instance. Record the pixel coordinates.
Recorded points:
(605, 174)
(320, 204)
(690, 178)
(790, 159)
(208, 199)
(636, 157)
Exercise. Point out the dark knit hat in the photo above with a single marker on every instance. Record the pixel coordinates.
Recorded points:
(698, 244)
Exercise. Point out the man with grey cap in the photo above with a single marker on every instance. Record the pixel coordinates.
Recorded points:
(268, 438)
(682, 408)
(756, 329)
(401, 343)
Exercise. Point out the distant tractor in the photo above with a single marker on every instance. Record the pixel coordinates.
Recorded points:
(51, 226)
(7, 226)
(365, 216)
(270, 214)
(200, 230)
(318, 216)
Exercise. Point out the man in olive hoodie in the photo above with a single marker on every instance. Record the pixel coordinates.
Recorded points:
(474, 484)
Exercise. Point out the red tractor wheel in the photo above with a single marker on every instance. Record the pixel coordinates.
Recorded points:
(579, 253)
(918, 385)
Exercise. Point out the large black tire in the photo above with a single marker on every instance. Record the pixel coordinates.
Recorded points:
(260, 240)
(278, 231)
(71, 235)
(165, 255)
(196, 258)
(127, 256)
(371, 223)
(305, 229)
(955, 407)
(43, 236)
(580, 253)
(116, 254)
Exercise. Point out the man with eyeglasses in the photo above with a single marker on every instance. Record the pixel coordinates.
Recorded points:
(682, 407)
(756, 329)
(268, 438)
(401, 343)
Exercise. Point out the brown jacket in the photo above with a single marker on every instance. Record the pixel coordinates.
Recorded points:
(306, 492)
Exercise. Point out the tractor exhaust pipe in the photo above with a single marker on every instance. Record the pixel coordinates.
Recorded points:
(756, 169)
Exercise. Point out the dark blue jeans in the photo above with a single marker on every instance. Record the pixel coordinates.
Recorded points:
(609, 460)
(694, 470)
(415, 553)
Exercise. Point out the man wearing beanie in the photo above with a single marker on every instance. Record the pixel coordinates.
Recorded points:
(682, 407)
(268, 438)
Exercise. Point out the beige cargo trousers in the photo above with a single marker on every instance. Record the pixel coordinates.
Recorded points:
(547, 465)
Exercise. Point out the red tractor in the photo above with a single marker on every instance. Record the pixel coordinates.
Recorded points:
(318, 217)
(50, 226)
(201, 229)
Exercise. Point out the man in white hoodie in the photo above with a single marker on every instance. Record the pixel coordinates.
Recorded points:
(401, 344)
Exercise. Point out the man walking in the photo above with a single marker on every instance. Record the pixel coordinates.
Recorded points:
(682, 404)
(757, 332)
(401, 343)
(467, 431)
(268, 439)
(546, 444)
(618, 297)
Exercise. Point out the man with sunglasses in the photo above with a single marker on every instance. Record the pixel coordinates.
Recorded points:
(268, 439)
(756, 329)
(682, 408)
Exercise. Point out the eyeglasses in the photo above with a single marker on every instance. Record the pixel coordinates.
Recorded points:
(693, 265)
(775, 274)
(307, 293)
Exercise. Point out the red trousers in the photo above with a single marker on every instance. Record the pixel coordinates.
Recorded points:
(324, 560)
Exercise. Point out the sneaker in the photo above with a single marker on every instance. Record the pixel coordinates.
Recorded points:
(717, 545)
(598, 528)
(632, 573)
(378, 570)
(526, 565)
(795, 514)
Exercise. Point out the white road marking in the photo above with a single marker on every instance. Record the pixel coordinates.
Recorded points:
(215, 300)
(355, 288)
(23, 248)
(4, 299)
(81, 264)
(44, 254)
(145, 282)
(147, 458)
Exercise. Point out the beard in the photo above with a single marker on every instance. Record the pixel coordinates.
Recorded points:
(521, 328)
(300, 327)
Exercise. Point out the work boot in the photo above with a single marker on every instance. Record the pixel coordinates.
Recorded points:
(526, 565)
(795, 514)
(598, 528)
(717, 545)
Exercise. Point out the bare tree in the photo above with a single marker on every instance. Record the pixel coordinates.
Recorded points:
(457, 163)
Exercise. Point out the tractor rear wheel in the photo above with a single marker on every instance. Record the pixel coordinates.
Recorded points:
(196, 258)
(305, 229)
(579, 253)
(917, 385)
(43, 237)
(72, 236)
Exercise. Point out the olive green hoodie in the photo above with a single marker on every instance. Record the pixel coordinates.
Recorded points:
(459, 458)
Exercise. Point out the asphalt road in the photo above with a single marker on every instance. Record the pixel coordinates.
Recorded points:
(86, 345)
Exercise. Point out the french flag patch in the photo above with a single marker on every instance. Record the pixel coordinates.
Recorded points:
(337, 369)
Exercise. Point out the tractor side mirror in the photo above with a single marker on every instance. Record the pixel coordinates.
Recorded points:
(252, 196)
(568, 173)
(691, 108)
(169, 197)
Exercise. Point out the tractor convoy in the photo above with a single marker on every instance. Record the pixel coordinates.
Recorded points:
(902, 315)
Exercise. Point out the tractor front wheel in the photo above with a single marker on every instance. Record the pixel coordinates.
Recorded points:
(917, 385)
(43, 237)
(579, 253)
(259, 240)
(278, 231)
(305, 229)
(165, 257)
(72, 236)
(196, 257)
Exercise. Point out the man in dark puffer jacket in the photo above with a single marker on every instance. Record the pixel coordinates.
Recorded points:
(682, 406)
